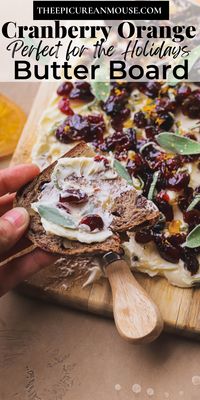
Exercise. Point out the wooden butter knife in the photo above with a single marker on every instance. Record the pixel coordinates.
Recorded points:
(136, 316)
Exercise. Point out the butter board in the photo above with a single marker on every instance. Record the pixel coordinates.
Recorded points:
(180, 308)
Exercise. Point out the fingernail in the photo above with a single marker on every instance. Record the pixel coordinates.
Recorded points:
(17, 216)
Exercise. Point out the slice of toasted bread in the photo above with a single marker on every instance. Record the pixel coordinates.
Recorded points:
(130, 210)
(133, 211)
(29, 193)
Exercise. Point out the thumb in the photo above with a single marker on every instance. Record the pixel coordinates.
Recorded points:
(13, 224)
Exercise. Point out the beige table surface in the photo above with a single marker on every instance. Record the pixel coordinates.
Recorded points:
(52, 353)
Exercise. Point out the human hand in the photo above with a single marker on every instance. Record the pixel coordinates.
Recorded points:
(13, 224)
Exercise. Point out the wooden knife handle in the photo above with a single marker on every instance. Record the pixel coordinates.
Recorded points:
(137, 318)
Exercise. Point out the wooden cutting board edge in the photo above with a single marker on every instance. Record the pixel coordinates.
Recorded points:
(179, 307)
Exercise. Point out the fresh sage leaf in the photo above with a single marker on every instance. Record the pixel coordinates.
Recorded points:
(52, 214)
(100, 90)
(194, 202)
(193, 239)
(192, 59)
(178, 144)
(153, 185)
(121, 170)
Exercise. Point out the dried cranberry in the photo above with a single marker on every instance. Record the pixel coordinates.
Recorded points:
(77, 127)
(170, 165)
(167, 121)
(117, 140)
(120, 141)
(192, 218)
(164, 104)
(115, 102)
(164, 206)
(152, 155)
(190, 158)
(182, 93)
(163, 196)
(166, 250)
(196, 250)
(190, 261)
(178, 181)
(190, 136)
(75, 196)
(121, 155)
(177, 239)
(135, 166)
(94, 221)
(167, 167)
(120, 118)
(150, 89)
(64, 89)
(97, 126)
(140, 119)
(64, 106)
(143, 237)
(150, 152)
(185, 199)
(151, 131)
(99, 158)
(191, 105)
(81, 91)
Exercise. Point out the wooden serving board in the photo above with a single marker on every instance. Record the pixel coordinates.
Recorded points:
(180, 307)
